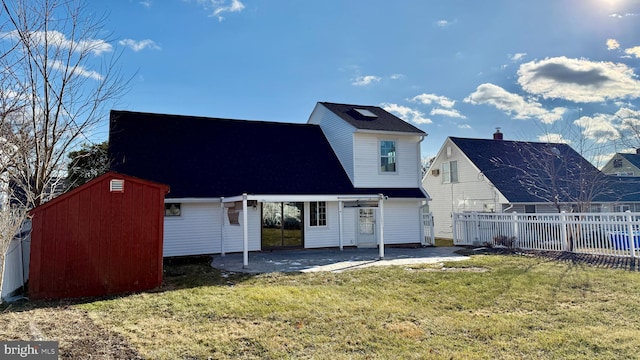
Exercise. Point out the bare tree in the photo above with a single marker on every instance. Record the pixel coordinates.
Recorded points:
(49, 48)
(55, 84)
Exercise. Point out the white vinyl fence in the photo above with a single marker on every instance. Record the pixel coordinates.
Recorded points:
(614, 234)
(15, 270)
(429, 233)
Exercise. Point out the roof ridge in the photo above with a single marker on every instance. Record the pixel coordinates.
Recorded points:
(204, 118)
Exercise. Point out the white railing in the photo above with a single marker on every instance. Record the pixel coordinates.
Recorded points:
(590, 233)
(429, 233)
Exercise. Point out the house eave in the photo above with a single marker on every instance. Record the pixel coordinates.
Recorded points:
(386, 132)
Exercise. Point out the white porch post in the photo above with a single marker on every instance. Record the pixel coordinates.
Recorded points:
(245, 233)
(381, 207)
(340, 208)
(222, 227)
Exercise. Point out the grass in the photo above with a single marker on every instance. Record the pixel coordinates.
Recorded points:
(492, 306)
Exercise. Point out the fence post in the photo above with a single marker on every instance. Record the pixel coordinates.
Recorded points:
(514, 216)
(564, 239)
(476, 228)
(454, 226)
(631, 237)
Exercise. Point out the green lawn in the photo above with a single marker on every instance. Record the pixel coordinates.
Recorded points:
(508, 307)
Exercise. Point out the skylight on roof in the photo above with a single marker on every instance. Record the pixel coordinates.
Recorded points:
(366, 113)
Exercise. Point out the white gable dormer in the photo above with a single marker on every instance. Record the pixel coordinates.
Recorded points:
(375, 148)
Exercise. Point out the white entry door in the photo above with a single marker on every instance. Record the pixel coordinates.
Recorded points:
(367, 227)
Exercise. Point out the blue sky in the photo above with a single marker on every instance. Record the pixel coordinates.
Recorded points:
(452, 68)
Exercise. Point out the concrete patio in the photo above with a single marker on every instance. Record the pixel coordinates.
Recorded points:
(310, 260)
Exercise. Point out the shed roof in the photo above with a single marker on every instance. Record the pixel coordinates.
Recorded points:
(97, 180)
(383, 120)
(210, 157)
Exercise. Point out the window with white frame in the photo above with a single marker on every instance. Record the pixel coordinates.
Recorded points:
(450, 172)
(387, 156)
(318, 213)
(172, 209)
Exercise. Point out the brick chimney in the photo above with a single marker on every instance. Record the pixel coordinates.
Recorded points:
(497, 135)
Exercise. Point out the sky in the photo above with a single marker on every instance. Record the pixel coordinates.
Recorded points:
(451, 68)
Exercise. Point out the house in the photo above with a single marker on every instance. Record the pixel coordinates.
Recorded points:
(103, 237)
(348, 177)
(623, 164)
(497, 175)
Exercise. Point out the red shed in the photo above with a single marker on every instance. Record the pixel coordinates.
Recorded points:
(104, 237)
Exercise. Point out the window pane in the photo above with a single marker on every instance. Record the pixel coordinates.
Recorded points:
(454, 171)
(446, 173)
(318, 213)
(387, 156)
(313, 210)
(172, 209)
(322, 213)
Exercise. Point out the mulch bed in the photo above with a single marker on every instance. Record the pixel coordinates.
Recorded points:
(602, 261)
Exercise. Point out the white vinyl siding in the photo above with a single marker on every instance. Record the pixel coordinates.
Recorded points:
(339, 134)
(367, 157)
(197, 231)
(323, 236)
(472, 191)
(401, 222)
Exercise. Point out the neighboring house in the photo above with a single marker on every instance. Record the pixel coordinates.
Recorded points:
(623, 164)
(349, 177)
(496, 175)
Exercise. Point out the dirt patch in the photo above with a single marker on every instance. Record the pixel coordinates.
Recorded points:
(456, 269)
(78, 337)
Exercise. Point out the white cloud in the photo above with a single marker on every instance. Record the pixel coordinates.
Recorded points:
(612, 44)
(57, 39)
(396, 76)
(447, 112)
(599, 128)
(443, 23)
(517, 56)
(365, 80)
(219, 7)
(464, 126)
(78, 70)
(513, 104)
(139, 45)
(578, 80)
(628, 119)
(553, 138)
(406, 113)
(146, 3)
(635, 51)
(620, 16)
(429, 99)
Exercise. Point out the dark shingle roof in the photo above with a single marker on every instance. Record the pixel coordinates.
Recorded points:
(209, 157)
(634, 159)
(514, 167)
(384, 121)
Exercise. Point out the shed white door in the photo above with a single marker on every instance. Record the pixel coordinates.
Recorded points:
(367, 227)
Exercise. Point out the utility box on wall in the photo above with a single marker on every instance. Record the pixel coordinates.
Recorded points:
(104, 237)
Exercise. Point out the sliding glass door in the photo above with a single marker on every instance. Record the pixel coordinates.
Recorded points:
(282, 225)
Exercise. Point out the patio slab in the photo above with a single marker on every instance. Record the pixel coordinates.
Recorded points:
(334, 260)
